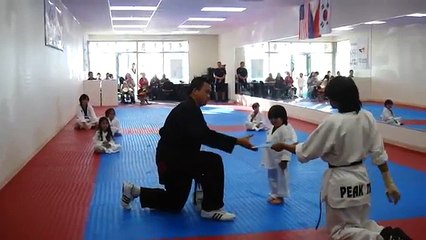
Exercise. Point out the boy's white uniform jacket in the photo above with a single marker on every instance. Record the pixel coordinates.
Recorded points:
(115, 126)
(283, 134)
(388, 117)
(89, 118)
(341, 140)
(258, 119)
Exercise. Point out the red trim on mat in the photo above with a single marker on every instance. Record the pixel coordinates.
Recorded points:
(414, 121)
(414, 227)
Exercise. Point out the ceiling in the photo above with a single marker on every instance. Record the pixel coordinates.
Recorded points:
(95, 15)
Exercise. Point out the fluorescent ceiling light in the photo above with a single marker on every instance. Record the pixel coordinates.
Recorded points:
(140, 8)
(417, 15)
(129, 26)
(375, 22)
(200, 19)
(222, 9)
(194, 26)
(185, 32)
(130, 18)
(343, 29)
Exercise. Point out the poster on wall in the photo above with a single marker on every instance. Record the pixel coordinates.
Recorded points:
(359, 54)
(53, 24)
(176, 68)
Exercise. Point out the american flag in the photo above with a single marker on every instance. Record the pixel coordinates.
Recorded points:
(304, 21)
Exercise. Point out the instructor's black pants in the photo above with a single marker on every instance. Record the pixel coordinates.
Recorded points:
(207, 169)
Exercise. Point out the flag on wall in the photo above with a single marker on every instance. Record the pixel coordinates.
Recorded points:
(325, 10)
(303, 22)
(314, 19)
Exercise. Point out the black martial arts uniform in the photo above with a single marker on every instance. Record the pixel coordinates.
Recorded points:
(179, 161)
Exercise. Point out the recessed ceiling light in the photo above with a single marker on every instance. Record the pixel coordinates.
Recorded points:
(194, 26)
(375, 22)
(200, 19)
(343, 29)
(129, 26)
(223, 9)
(137, 8)
(417, 15)
(130, 18)
(185, 32)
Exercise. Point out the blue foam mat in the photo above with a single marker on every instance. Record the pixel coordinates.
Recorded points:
(246, 190)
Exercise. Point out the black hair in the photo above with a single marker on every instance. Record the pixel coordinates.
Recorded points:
(83, 97)
(121, 79)
(197, 83)
(278, 111)
(109, 131)
(255, 105)
(344, 92)
(108, 111)
(388, 101)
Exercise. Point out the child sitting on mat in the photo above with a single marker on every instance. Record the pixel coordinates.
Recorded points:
(113, 121)
(255, 120)
(388, 116)
(103, 140)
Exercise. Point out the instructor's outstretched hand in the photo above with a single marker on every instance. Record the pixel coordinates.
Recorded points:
(245, 142)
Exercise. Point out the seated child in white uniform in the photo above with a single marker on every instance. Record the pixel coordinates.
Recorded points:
(255, 120)
(387, 114)
(113, 121)
(103, 139)
(344, 140)
(86, 116)
(276, 162)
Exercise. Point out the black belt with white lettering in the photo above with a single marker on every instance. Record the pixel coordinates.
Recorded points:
(349, 165)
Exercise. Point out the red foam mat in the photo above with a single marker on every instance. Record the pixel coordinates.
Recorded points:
(49, 198)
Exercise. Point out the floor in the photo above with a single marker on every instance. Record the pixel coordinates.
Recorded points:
(67, 192)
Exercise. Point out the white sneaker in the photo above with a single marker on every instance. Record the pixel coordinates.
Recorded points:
(218, 215)
(126, 195)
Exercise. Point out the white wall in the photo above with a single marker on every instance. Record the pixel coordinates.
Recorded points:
(284, 23)
(39, 84)
(203, 49)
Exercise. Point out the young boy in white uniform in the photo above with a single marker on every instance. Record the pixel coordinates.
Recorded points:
(387, 114)
(344, 140)
(255, 119)
(276, 162)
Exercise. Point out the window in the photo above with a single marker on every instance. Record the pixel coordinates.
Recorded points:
(343, 56)
(151, 57)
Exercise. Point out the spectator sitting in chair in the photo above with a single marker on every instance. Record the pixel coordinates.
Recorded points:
(164, 79)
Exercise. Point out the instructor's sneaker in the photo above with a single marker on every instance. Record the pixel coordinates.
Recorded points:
(389, 233)
(126, 195)
(218, 215)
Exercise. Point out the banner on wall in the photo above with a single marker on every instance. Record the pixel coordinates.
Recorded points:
(359, 54)
(314, 19)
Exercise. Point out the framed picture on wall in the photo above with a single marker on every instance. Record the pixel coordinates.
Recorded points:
(53, 24)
